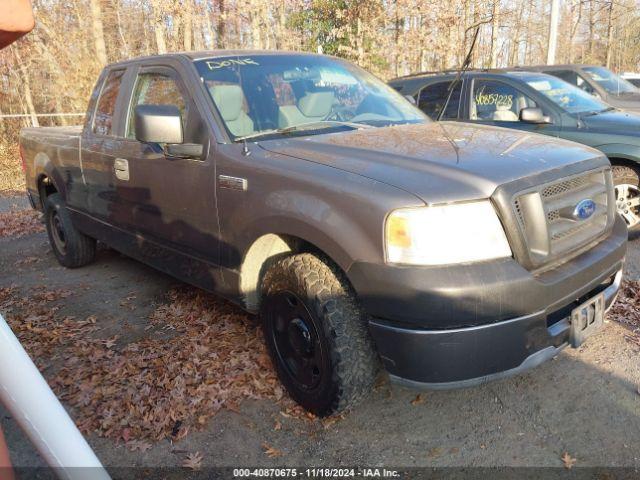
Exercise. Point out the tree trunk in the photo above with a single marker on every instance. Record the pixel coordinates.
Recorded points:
(495, 14)
(609, 34)
(188, 24)
(123, 39)
(515, 40)
(592, 27)
(98, 32)
(256, 38)
(28, 98)
(574, 29)
(158, 26)
(220, 25)
(201, 20)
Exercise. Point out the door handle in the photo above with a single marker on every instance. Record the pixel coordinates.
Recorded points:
(121, 168)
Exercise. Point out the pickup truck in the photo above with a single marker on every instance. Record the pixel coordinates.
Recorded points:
(364, 235)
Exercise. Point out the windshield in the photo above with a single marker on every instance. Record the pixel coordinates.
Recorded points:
(307, 94)
(570, 98)
(611, 82)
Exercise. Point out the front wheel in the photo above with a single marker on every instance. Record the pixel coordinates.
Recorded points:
(627, 186)
(317, 334)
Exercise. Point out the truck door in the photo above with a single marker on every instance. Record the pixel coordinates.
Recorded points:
(168, 202)
(98, 146)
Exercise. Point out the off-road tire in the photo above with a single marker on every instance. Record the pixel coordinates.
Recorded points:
(79, 249)
(623, 174)
(343, 331)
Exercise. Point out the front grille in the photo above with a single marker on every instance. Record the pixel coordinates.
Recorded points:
(545, 215)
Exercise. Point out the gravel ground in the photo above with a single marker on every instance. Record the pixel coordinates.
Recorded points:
(584, 402)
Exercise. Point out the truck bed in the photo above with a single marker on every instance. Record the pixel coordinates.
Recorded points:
(51, 133)
(48, 149)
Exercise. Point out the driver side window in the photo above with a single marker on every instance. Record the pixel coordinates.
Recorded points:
(573, 78)
(155, 89)
(497, 102)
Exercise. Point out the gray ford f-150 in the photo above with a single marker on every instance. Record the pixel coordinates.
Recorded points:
(306, 190)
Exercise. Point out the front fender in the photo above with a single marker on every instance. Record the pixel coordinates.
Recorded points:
(339, 252)
(343, 240)
(621, 150)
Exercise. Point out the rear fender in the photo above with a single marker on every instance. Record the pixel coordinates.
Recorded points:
(44, 167)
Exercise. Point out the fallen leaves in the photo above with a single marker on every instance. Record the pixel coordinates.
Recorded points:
(21, 222)
(164, 385)
(271, 452)
(568, 460)
(626, 310)
(434, 452)
(193, 461)
(134, 445)
(419, 400)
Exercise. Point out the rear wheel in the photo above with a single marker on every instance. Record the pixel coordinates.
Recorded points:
(71, 247)
(627, 186)
(317, 334)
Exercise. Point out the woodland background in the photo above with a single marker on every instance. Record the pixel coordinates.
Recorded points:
(53, 69)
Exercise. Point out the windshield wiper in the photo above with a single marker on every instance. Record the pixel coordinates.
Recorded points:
(598, 112)
(303, 126)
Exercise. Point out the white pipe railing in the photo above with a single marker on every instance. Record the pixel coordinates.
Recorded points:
(25, 393)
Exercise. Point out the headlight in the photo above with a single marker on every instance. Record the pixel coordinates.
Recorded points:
(440, 235)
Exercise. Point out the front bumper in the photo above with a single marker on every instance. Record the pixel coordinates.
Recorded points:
(465, 357)
(459, 326)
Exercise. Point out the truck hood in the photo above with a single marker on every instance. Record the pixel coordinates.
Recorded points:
(440, 161)
(615, 122)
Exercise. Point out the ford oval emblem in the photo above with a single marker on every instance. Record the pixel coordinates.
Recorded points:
(584, 209)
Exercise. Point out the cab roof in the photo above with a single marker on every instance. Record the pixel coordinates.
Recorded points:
(203, 54)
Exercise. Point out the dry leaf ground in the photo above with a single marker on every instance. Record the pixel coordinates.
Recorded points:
(11, 176)
(141, 362)
(200, 355)
(18, 223)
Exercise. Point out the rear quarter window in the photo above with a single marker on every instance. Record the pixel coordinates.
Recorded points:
(103, 118)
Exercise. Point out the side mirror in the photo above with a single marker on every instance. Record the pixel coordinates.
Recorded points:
(533, 115)
(158, 124)
(411, 99)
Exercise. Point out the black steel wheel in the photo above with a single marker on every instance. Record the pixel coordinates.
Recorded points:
(296, 340)
(317, 334)
(71, 247)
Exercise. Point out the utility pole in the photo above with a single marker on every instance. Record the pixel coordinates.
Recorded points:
(553, 32)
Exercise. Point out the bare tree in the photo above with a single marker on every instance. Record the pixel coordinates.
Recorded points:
(98, 31)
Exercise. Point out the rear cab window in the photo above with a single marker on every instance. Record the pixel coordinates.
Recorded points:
(103, 117)
(432, 98)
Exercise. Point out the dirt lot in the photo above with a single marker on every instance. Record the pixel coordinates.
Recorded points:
(586, 402)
